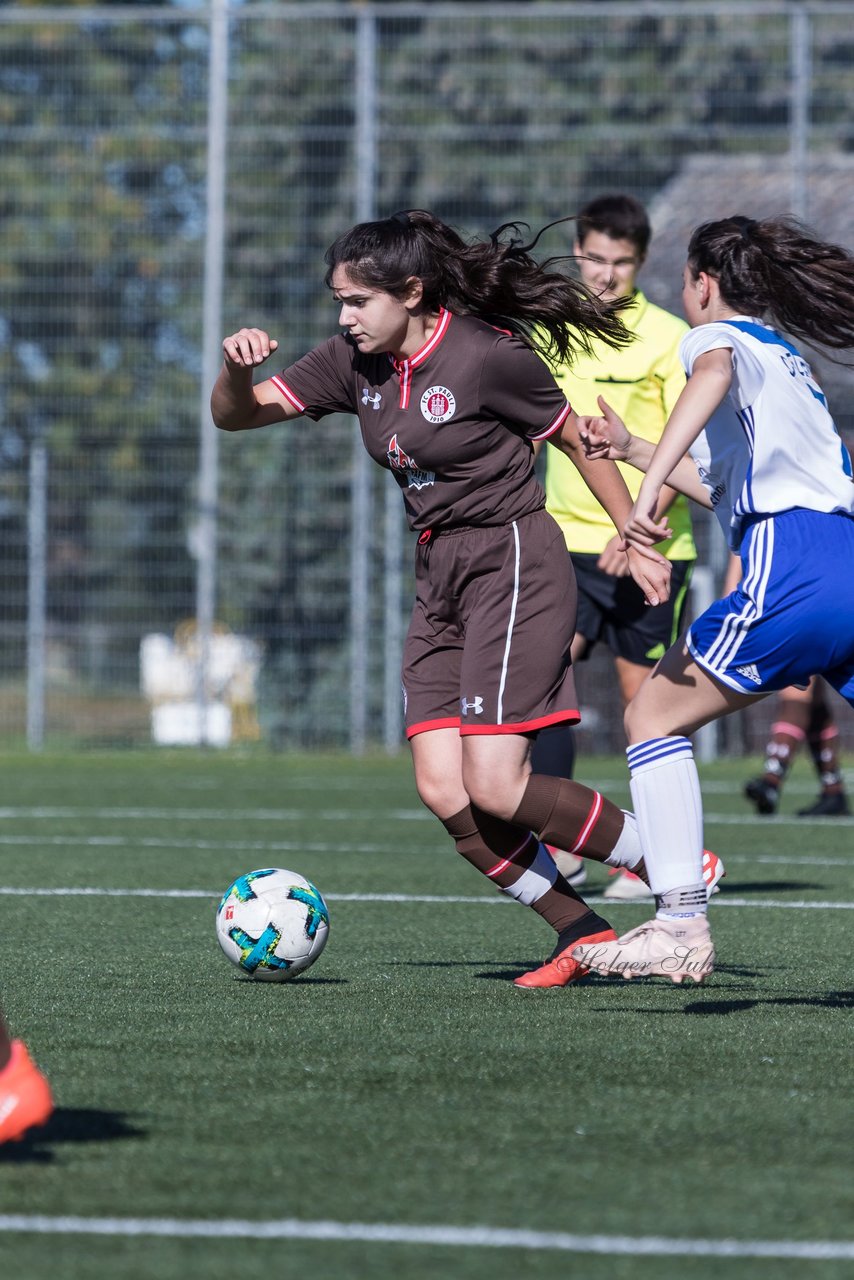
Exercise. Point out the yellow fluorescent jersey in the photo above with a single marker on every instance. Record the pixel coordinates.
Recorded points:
(642, 382)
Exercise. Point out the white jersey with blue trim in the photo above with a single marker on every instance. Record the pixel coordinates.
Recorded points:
(771, 445)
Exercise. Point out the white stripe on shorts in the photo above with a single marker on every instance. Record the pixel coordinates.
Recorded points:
(509, 640)
(722, 653)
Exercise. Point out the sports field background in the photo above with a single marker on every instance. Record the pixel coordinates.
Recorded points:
(404, 1083)
(402, 1110)
(173, 171)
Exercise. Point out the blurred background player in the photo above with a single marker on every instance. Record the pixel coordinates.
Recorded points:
(642, 381)
(25, 1099)
(803, 716)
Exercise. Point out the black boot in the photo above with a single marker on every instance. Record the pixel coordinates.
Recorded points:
(764, 795)
(832, 804)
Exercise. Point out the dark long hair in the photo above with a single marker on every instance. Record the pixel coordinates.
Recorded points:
(776, 267)
(496, 280)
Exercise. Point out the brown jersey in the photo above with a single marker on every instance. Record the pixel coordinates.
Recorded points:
(454, 423)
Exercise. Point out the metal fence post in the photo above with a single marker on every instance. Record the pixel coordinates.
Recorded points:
(392, 618)
(36, 592)
(208, 475)
(801, 73)
(365, 149)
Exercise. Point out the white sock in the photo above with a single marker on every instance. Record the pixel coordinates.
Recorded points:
(628, 850)
(669, 811)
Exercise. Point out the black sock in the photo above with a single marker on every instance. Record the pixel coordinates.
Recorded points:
(582, 928)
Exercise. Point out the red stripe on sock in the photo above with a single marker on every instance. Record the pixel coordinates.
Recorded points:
(510, 859)
(589, 823)
(499, 867)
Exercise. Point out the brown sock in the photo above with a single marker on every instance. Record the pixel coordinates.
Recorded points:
(570, 816)
(513, 858)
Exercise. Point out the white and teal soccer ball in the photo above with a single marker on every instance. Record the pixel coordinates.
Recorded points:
(273, 924)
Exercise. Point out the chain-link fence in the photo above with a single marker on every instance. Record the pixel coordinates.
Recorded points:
(172, 172)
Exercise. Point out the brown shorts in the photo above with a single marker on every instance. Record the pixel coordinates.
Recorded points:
(487, 649)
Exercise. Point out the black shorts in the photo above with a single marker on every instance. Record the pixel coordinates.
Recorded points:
(613, 610)
(488, 645)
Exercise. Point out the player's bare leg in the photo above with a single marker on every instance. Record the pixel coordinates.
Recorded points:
(676, 699)
(625, 885)
(562, 812)
(457, 779)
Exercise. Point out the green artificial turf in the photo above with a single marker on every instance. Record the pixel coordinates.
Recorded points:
(404, 1080)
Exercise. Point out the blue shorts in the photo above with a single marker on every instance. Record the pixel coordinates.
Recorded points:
(792, 614)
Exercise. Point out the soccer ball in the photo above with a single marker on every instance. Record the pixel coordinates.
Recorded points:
(273, 924)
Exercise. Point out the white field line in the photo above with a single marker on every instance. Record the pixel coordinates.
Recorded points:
(72, 841)
(795, 785)
(93, 891)
(47, 813)
(402, 1233)
(41, 812)
(156, 842)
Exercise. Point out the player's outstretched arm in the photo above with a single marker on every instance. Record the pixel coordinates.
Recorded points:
(607, 436)
(237, 405)
(650, 570)
(704, 391)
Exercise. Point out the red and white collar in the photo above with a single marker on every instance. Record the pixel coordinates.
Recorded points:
(405, 367)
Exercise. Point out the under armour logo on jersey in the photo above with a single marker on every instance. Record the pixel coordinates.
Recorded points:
(476, 705)
(374, 400)
(750, 673)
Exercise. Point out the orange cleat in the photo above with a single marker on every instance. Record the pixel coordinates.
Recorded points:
(562, 969)
(25, 1098)
(713, 871)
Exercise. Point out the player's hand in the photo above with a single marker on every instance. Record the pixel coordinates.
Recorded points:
(606, 436)
(643, 528)
(651, 572)
(613, 559)
(247, 348)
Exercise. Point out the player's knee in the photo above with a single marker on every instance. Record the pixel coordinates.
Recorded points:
(493, 793)
(637, 721)
(439, 794)
(646, 716)
(431, 794)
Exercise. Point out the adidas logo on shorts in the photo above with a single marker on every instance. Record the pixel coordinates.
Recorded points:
(750, 673)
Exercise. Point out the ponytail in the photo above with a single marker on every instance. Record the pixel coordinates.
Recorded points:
(496, 280)
(776, 267)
